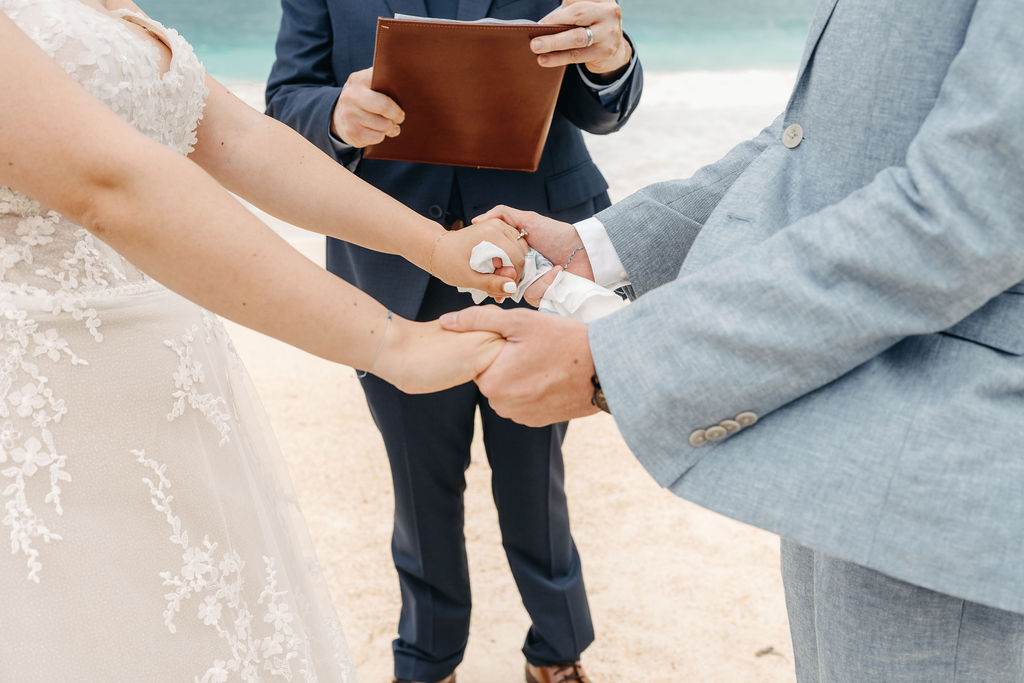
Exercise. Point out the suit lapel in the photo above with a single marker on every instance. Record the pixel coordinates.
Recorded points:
(471, 10)
(414, 7)
(821, 18)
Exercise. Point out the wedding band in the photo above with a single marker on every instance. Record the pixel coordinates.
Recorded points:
(522, 234)
(590, 36)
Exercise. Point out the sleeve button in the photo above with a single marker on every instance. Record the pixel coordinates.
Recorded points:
(746, 419)
(731, 426)
(698, 438)
(716, 433)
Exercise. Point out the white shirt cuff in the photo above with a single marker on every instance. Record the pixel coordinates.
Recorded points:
(608, 270)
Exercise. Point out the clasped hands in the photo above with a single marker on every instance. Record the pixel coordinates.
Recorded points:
(542, 374)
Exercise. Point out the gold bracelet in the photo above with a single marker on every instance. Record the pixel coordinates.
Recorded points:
(430, 261)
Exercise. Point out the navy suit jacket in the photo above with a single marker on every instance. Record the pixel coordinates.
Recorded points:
(322, 41)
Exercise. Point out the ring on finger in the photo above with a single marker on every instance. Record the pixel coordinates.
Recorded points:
(590, 36)
(522, 234)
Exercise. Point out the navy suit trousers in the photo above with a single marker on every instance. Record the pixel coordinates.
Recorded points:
(428, 443)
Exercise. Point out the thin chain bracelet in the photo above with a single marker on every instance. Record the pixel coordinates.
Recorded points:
(566, 266)
(387, 326)
(430, 261)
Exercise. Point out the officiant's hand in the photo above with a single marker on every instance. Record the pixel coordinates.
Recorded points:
(363, 116)
(449, 261)
(598, 44)
(542, 375)
(558, 242)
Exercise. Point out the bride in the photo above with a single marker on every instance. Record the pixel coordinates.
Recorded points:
(153, 534)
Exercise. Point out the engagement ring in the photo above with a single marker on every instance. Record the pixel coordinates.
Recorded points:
(522, 234)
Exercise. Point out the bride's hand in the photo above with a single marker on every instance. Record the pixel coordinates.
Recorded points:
(421, 358)
(451, 252)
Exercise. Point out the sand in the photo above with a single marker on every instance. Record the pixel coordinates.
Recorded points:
(677, 593)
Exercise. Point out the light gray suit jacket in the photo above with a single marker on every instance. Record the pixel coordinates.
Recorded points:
(860, 293)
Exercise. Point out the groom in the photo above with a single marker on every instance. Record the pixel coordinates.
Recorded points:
(828, 341)
(326, 43)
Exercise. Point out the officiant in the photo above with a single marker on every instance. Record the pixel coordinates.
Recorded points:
(320, 85)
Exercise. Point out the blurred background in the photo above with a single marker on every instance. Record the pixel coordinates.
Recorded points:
(235, 38)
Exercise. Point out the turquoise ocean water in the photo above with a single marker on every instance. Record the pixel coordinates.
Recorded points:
(235, 38)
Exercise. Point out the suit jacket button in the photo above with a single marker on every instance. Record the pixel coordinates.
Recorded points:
(793, 136)
(698, 438)
(716, 433)
(731, 426)
(435, 212)
(746, 419)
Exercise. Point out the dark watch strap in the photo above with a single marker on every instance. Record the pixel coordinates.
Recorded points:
(597, 398)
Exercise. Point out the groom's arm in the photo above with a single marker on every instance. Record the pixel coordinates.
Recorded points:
(915, 251)
(643, 240)
(652, 230)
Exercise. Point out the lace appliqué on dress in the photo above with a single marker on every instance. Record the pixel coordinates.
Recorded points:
(60, 266)
(217, 586)
(187, 379)
(28, 402)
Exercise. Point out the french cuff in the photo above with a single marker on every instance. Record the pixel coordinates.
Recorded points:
(344, 150)
(608, 269)
(608, 93)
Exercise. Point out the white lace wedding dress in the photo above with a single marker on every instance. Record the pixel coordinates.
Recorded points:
(154, 534)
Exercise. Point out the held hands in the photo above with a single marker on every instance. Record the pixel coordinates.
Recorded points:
(557, 241)
(363, 116)
(603, 50)
(450, 256)
(542, 374)
(422, 358)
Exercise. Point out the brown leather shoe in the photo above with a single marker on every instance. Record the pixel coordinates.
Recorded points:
(570, 672)
(449, 679)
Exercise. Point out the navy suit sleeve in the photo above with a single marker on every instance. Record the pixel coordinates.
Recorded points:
(303, 86)
(579, 103)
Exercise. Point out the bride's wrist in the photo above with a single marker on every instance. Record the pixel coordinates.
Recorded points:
(394, 350)
(424, 245)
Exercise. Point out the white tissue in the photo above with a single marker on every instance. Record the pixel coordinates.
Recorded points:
(579, 298)
(480, 260)
(569, 295)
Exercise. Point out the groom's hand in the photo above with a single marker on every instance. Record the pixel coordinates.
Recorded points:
(556, 240)
(542, 375)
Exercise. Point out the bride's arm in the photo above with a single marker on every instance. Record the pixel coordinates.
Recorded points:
(281, 172)
(62, 147)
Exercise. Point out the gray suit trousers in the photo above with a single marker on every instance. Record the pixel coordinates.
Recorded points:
(851, 624)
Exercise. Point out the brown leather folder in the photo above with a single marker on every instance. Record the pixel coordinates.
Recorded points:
(473, 93)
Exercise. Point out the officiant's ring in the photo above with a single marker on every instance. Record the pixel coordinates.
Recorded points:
(590, 36)
(522, 234)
